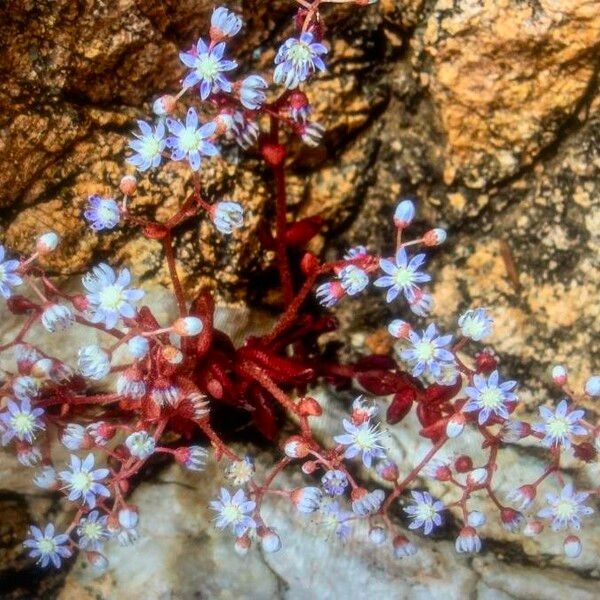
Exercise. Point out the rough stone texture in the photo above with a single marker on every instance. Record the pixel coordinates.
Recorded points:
(486, 111)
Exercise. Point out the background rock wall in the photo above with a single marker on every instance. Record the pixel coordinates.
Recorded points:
(486, 111)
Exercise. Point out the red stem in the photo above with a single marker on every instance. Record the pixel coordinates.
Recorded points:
(177, 287)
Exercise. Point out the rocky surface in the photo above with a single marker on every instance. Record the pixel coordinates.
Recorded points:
(485, 111)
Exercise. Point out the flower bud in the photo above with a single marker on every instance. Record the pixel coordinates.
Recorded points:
(434, 237)
(572, 546)
(306, 499)
(404, 214)
(476, 519)
(138, 346)
(387, 469)
(485, 362)
(309, 407)
(533, 527)
(188, 326)
(296, 447)
(455, 425)
(511, 519)
(164, 105)
(270, 540)
(592, 386)
(98, 561)
(47, 243)
(477, 477)
(377, 535)
(399, 328)
(309, 467)
(242, 545)
(128, 185)
(128, 517)
(403, 547)
(463, 463)
(468, 541)
(172, 355)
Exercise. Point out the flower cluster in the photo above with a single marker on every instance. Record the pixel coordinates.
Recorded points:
(146, 388)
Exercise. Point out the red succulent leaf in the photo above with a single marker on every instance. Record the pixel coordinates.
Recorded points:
(439, 394)
(263, 415)
(400, 405)
(302, 231)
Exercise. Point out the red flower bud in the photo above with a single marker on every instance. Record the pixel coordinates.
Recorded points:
(274, 154)
(309, 407)
(463, 464)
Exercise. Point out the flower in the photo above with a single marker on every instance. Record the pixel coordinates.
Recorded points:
(511, 519)
(513, 431)
(25, 386)
(467, 541)
(424, 512)
(100, 432)
(93, 362)
(128, 517)
(109, 297)
(82, 481)
(402, 275)
(92, 531)
(361, 439)
(334, 482)
(8, 274)
(46, 478)
(567, 509)
(102, 213)
(242, 129)
(224, 23)
(333, 518)
(148, 146)
(240, 472)
(399, 328)
(188, 326)
(21, 421)
(427, 353)
(368, 503)
(57, 317)
(46, 546)
(572, 546)
(233, 510)
(227, 216)
(559, 425)
(306, 499)
(475, 324)
(559, 374)
(404, 214)
(190, 140)
(353, 279)
(208, 65)
(140, 444)
(377, 535)
(27, 455)
(252, 95)
(438, 469)
(74, 437)
(490, 397)
(434, 237)
(362, 410)
(297, 59)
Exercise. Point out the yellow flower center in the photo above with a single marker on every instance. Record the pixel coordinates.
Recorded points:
(491, 398)
(81, 481)
(111, 297)
(23, 423)
(207, 66)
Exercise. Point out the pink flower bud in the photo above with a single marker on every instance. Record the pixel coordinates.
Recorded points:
(128, 517)
(399, 328)
(404, 214)
(128, 185)
(306, 499)
(468, 541)
(377, 535)
(403, 547)
(434, 237)
(559, 375)
(511, 519)
(477, 477)
(164, 105)
(98, 561)
(242, 545)
(309, 467)
(533, 527)
(388, 470)
(270, 540)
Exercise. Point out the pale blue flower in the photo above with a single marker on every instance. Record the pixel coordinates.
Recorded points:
(489, 396)
(560, 425)
(190, 140)
(402, 276)
(353, 279)
(233, 510)
(228, 216)
(363, 439)
(297, 59)
(82, 480)
(20, 421)
(567, 509)
(8, 274)
(425, 512)
(224, 23)
(208, 66)
(102, 213)
(427, 353)
(47, 547)
(148, 146)
(334, 482)
(475, 324)
(109, 297)
(93, 531)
